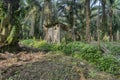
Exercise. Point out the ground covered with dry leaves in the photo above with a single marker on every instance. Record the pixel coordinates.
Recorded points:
(47, 66)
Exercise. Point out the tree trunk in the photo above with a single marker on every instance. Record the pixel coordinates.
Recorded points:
(47, 12)
(118, 35)
(104, 26)
(32, 25)
(98, 27)
(88, 38)
(74, 19)
(110, 25)
(10, 24)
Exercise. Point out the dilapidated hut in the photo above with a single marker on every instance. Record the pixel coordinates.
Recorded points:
(55, 33)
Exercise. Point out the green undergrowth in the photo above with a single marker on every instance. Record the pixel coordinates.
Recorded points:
(114, 48)
(80, 50)
(92, 54)
(41, 44)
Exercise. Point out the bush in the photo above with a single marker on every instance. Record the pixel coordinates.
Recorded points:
(84, 51)
(42, 45)
(28, 42)
(93, 55)
(72, 47)
(115, 49)
(109, 64)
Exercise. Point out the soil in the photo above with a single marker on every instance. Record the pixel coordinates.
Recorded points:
(41, 66)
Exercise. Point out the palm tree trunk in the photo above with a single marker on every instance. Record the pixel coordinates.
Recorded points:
(73, 17)
(98, 27)
(104, 27)
(110, 25)
(111, 36)
(88, 21)
(118, 35)
(47, 12)
(47, 18)
(10, 22)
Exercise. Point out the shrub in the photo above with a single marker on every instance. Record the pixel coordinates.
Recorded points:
(93, 55)
(115, 49)
(42, 45)
(72, 47)
(85, 51)
(28, 42)
(109, 64)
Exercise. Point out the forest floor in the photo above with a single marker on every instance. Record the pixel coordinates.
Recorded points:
(51, 66)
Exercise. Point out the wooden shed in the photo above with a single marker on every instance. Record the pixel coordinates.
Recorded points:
(55, 33)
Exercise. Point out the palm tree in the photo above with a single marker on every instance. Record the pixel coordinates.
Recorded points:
(33, 20)
(9, 23)
(47, 12)
(98, 26)
(88, 20)
(104, 19)
(113, 13)
(109, 12)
